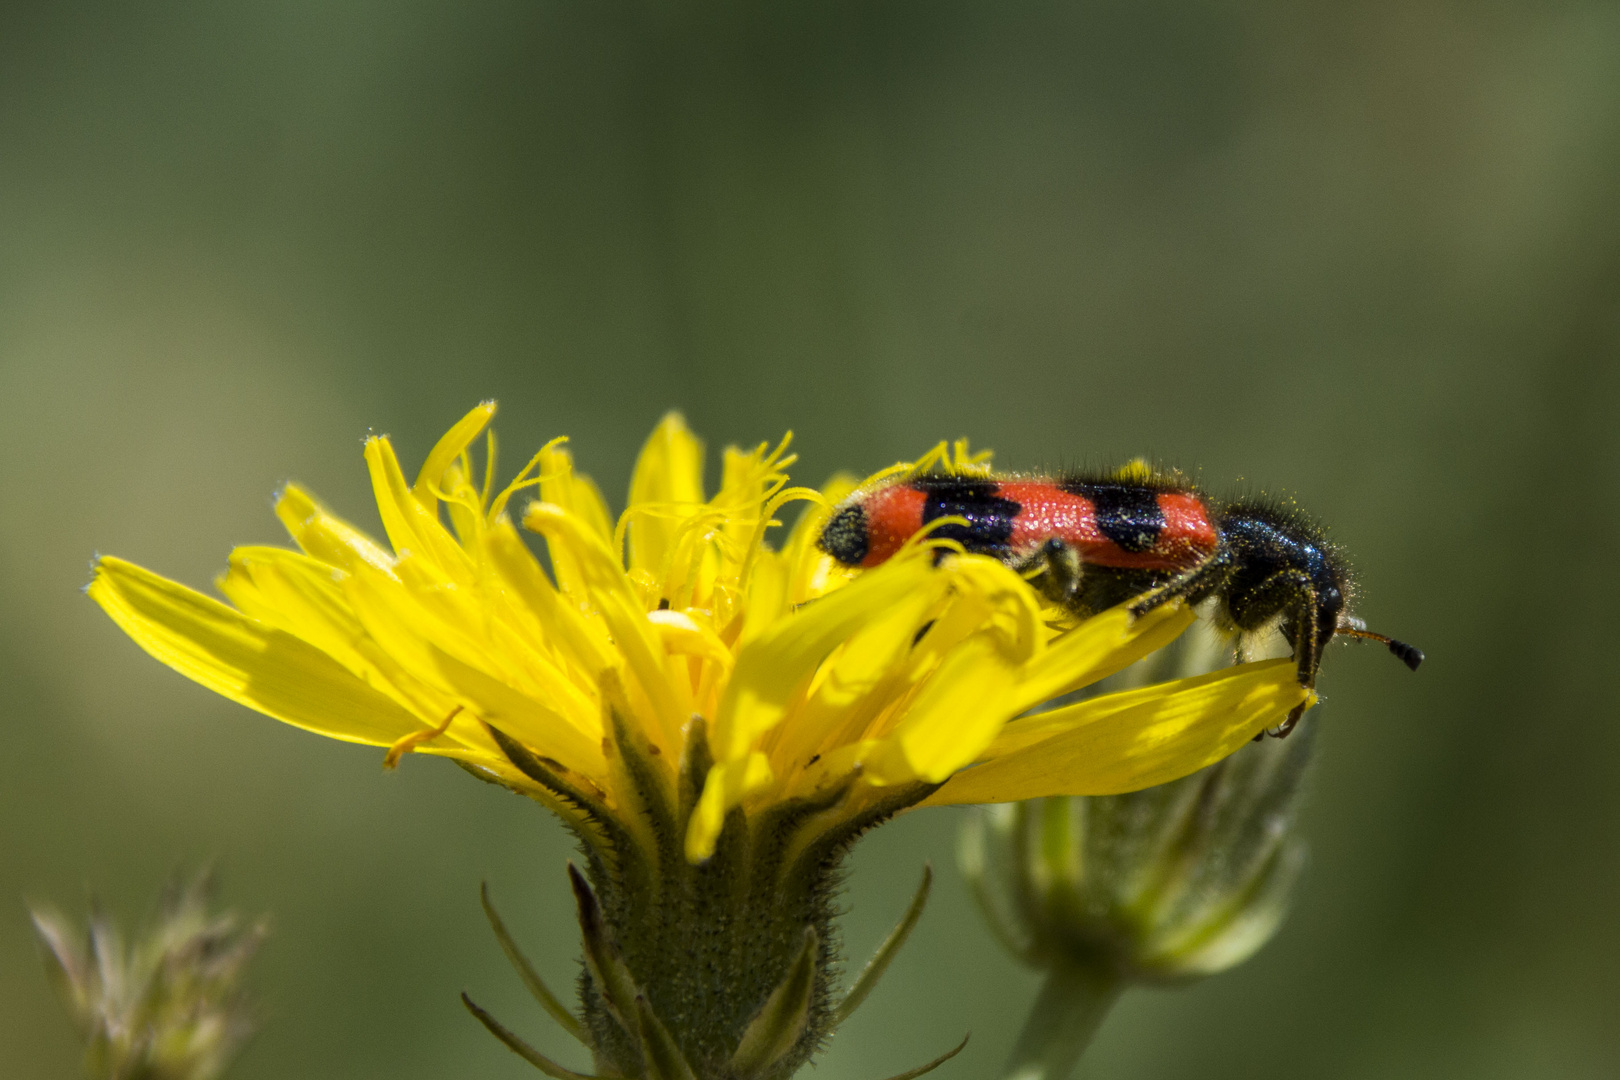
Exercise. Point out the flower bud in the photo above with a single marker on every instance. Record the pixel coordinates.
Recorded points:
(1175, 882)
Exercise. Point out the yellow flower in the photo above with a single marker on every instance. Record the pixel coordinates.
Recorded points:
(680, 637)
(717, 718)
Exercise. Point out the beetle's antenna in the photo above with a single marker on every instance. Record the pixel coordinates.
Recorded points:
(1410, 655)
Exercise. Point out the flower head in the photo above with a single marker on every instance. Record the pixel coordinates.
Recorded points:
(717, 717)
(681, 620)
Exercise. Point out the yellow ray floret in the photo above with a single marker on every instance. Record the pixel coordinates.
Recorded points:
(807, 678)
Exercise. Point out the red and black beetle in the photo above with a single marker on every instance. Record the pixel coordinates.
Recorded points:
(1091, 542)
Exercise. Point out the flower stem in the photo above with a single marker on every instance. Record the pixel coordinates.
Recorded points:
(1065, 1016)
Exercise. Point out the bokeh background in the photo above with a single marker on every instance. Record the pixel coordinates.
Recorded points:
(1367, 253)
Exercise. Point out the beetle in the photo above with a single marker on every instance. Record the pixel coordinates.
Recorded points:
(1090, 542)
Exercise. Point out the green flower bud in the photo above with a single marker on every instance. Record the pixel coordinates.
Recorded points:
(1172, 883)
(1158, 886)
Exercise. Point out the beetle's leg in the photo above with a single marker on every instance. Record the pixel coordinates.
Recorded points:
(1191, 586)
(1307, 643)
(1055, 569)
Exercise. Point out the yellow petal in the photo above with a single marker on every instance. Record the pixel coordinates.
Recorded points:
(855, 683)
(586, 500)
(1097, 648)
(1125, 742)
(726, 785)
(766, 600)
(644, 655)
(742, 491)
(292, 592)
(323, 535)
(989, 599)
(536, 725)
(620, 606)
(967, 666)
(575, 493)
(304, 596)
(463, 502)
(575, 636)
(419, 621)
(666, 487)
(410, 525)
(773, 667)
(957, 713)
(684, 636)
(312, 601)
(446, 450)
(260, 667)
(571, 535)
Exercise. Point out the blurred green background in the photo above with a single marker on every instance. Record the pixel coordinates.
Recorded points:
(1367, 253)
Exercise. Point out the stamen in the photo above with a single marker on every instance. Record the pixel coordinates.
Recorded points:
(924, 537)
(954, 459)
(410, 742)
(659, 509)
(1137, 470)
(939, 455)
(969, 464)
(877, 479)
(688, 548)
(778, 459)
(521, 481)
(516, 486)
(767, 518)
(460, 494)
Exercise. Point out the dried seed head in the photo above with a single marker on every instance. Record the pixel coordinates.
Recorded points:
(169, 1006)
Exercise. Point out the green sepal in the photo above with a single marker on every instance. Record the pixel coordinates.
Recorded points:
(921, 1070)
(521, 1048)
(531, 978)
(605, 838)
(776, 1028)
(734, 957)
(692, 770)
(603, 964)
(875, 967)
(662, 1058)
(646, 798)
